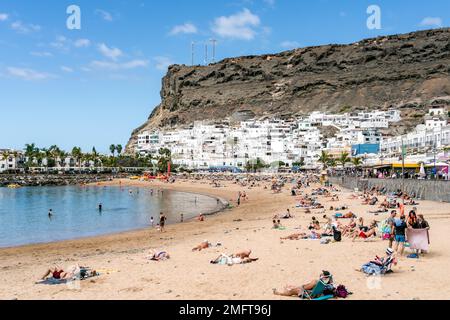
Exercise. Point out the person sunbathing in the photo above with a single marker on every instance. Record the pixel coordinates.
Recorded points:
(299, 291)
(204, 245)
(372, 232)
(57, 273)
(295, 236)
(287, 215)
(76, 271)
(240, 257)
(158, 255)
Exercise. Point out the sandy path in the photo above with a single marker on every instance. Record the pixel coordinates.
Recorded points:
(189, 275)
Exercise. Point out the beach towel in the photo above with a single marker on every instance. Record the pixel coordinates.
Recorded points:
(372, 269)
(418, 239)
(81, 274)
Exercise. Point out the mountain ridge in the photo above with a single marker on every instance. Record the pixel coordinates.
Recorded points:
(407, 71)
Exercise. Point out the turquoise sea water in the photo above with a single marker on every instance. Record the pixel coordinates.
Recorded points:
(24, 212)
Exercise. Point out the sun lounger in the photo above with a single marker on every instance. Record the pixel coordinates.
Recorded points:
(317, 292)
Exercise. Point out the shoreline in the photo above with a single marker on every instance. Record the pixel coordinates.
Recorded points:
(189, 275)
(128, 183)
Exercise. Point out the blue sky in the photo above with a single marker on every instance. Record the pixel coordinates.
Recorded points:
(92, 87)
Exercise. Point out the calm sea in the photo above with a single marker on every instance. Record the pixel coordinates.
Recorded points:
(24, 212)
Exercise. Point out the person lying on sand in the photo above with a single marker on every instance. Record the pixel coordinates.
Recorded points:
(76, 271)
(204, 245)
(158, 255)
(303, 236)
(295, 236)
(299, 291)
(57, 273)
(240, 257)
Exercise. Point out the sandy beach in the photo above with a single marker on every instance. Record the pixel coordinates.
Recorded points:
(127, 274)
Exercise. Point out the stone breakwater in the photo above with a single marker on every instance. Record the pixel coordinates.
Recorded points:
(53, 179)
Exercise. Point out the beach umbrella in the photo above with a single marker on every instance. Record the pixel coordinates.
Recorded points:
(422, 170)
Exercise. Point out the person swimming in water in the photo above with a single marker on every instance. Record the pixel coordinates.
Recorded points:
(50, 213)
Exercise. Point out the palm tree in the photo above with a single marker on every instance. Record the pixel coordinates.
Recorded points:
(30, 150)
(324, 158)
(119, 149)
(112, 148)
(77, 154)
(332, 162)
(356, 162)
(343, 159)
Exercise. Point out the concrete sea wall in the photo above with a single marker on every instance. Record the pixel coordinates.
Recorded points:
(424, 189)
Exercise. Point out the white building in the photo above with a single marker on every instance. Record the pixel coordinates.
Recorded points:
(421, 139)
(214, 144)
(10, 160)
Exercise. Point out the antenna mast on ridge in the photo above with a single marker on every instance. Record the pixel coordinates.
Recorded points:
(192, 52)
(213, 41)
(206, 53)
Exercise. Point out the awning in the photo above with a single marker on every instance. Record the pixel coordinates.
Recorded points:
(406, 165)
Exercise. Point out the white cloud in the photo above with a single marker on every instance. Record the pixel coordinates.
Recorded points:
(238, 26)
(290, 44)
(431, 22)
(111, 53)
(42, 54)
(105, 15)
(162, 63)
(28, 74)
(20, 27)
(66, 69)
(4, 16)
(187, 28)
(82, 43)
(61, 43)
(114, 66)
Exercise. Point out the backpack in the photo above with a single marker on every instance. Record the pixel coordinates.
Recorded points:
(337, 235)
(341, 292)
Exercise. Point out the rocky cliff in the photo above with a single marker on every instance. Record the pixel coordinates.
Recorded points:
(408, 71)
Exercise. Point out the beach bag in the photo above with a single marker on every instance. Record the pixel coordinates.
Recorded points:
(337, 235)
(341, 292)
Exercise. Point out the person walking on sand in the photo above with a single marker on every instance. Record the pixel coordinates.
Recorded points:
(162, 221)
(239, 199)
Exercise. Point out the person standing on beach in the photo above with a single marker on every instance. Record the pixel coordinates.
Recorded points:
(239, 199)
(162, 221)
(400, 235)
(391, 224)
(152, 222)
(181, 217)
